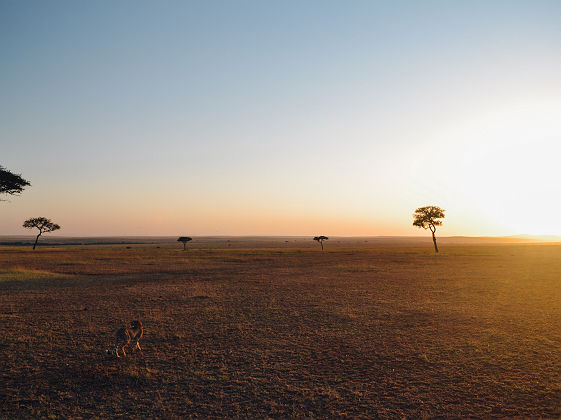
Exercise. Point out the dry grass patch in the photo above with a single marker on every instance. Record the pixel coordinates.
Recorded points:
(25, 274)
(382, 332)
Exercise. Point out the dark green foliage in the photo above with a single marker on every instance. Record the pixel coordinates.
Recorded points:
(11, 183)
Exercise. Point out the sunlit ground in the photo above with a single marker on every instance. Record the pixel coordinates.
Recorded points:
(382, 331)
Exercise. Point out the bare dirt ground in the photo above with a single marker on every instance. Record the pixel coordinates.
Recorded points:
(386, 331)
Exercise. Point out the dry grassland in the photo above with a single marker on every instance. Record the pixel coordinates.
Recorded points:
(381, 332)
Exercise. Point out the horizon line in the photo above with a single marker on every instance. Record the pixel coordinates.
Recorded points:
(515, 236)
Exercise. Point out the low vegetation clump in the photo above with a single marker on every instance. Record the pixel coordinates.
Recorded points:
(373, 332)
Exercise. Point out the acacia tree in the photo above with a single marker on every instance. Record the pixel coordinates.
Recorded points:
(43, 224)
(320, 239)
(184, 239)
(11, 183)
(427, 218)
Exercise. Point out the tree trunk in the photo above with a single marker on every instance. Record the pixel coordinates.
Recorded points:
(184, 246)
(434, 241)
(321, 243)
(36, 239)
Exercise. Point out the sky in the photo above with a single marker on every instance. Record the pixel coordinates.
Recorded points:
(282, 118)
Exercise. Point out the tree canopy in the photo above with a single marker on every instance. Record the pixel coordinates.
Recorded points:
(11, 183)
(428, 218)
(43, 224)
(184, 239)
(320, 239)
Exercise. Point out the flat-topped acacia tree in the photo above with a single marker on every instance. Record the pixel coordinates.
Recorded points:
(10, 183)
(427, 218)
(184, 239)
(43, 224)
(320, 240)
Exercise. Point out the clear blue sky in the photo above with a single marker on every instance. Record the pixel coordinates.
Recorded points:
(293, 117)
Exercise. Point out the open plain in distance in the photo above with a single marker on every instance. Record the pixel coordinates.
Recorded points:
(262, 327)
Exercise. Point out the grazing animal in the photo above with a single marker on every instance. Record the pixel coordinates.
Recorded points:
(124, 336)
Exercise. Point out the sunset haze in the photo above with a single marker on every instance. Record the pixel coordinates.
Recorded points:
(286, 118)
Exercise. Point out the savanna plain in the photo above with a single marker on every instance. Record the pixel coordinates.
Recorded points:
(379, 330)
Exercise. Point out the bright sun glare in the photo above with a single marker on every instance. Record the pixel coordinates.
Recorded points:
(508, 170)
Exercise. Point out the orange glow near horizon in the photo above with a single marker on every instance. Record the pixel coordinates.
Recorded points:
(262, 121)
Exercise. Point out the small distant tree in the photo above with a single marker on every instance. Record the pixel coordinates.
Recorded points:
(320, 240)
(43, 224)
(427, 218)
(10, 183)
(184, 239)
